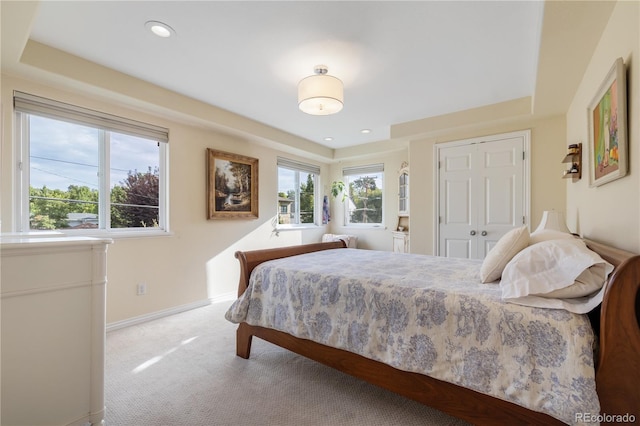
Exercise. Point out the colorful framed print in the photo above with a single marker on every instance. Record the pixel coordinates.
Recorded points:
(608, 128)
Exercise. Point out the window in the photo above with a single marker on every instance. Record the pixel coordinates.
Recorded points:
(364, 201)
(297, 183)
(86, 170)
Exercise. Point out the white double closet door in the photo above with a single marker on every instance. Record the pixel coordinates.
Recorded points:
(482, 192)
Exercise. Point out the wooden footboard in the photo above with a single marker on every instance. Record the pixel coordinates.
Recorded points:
(617, 370)
(474, 407)
(251, 259)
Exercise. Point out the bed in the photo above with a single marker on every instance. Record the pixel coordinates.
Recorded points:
(406, 365)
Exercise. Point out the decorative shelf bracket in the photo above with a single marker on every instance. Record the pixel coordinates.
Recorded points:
(574, 157)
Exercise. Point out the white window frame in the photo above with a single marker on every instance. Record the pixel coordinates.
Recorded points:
(299, 167)
(26, 105)
(348, 172)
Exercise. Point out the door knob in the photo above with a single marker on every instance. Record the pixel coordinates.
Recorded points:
(484, 233)
(472, 232)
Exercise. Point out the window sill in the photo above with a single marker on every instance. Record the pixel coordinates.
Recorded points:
(96, 233)
(281, 228)
(365, 226)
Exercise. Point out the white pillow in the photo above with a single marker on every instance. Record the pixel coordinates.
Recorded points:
(588, 282)
(556, 274)
(549, 234)
(507, 246)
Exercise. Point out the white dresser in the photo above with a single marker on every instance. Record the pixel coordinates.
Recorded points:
(52, 294)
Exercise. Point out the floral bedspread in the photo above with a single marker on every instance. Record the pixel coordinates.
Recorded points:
(429, 315)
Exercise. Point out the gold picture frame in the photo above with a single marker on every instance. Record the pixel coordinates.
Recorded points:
(607, 116)
(232, 186)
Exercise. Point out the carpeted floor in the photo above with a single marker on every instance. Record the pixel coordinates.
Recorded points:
(182, 370)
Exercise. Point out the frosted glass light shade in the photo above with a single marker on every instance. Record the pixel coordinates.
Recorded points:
(552, 220)
(320, 94)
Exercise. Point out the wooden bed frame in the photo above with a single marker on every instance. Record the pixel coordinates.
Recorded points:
(617, 368)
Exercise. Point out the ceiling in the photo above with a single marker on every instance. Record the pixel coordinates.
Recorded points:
(399, 61)
(412, 70)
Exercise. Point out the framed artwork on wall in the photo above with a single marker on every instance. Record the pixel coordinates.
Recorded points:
(232, 186)
(608, 128)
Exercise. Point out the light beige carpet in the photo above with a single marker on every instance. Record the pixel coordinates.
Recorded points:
(182, 370)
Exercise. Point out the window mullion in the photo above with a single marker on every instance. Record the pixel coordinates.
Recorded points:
(22, 196)
(298, 206)
(317, 202)
(163, 212)
(104, 193)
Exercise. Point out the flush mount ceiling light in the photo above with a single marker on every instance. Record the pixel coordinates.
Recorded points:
(320, 94)
(160, 29)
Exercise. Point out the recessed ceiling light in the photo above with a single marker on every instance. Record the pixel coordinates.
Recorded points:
(160, 28)
(365, 131)
(328, 139)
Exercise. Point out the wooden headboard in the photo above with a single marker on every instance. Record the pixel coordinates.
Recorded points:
(613, 255)
(618, 326)
(616, 257)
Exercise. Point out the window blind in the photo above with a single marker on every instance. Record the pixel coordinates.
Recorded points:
(31, 104)
(296, 165)
(363, 170)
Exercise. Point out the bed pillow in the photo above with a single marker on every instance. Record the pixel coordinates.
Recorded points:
(507, 246)
(549, 234)
(588, 282)
(560, 273)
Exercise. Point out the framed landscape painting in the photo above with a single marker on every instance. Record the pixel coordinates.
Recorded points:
(232, 186)
(608, 128)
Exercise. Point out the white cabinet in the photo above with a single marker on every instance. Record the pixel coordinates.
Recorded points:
(53, 330)
(403, 191)
(401, 233)
(400, 242)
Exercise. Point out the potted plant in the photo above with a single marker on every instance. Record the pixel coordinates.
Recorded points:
(337, 187)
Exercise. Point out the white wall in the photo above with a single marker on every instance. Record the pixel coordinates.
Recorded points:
(611, 212)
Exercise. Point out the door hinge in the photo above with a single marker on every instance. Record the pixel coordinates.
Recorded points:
(523, 220)
(522, 155)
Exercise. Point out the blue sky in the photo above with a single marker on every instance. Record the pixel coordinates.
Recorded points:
(286, 180)
(63, 154)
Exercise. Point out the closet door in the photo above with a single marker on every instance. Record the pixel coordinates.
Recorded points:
(457, 202)
(481, 195)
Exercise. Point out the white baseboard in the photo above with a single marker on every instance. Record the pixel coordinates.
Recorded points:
(159, 314)
(227, 297)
